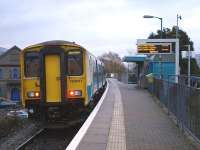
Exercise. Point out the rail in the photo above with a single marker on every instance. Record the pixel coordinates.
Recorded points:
(21, 146)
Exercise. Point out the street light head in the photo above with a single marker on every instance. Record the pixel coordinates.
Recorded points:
(148, 16)
(179, 17)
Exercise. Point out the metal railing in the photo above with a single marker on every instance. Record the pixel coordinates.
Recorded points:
(181, 99)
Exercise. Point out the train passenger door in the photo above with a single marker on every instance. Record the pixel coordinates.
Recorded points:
(53, 78)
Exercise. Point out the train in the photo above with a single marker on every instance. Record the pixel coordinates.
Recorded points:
(57, 76)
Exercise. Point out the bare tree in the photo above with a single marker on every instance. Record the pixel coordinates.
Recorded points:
(113, 63)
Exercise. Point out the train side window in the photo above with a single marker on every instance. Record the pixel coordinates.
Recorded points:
(32, 64)
(95, 71)
(74, 63)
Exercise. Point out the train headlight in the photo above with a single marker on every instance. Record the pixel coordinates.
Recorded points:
(75, 93)
(71, 93)
(78, 93)
(32, 94)
(37, 94)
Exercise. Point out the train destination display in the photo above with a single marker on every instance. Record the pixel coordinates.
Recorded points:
(154, 48)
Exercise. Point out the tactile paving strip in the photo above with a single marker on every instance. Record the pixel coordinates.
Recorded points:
(117, 136)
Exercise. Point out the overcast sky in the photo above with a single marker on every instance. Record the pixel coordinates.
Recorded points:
(98, 25)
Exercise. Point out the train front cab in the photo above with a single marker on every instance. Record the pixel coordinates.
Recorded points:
(53, 79)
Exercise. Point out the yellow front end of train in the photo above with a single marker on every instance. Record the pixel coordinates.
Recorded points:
(53, 77)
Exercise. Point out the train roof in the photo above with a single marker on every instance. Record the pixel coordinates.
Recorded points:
(54, 42)
(58, 42)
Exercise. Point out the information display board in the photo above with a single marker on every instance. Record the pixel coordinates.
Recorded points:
(146, 48)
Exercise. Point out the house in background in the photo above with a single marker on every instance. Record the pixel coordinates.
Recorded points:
(10, 74)
(2, 50)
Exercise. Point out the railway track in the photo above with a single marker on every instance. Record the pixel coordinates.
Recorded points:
(54, 135)
(50, 138)
(28, 141)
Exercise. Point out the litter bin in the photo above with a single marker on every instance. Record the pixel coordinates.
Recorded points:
(150, 79)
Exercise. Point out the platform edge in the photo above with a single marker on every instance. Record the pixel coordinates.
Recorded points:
(82, 131)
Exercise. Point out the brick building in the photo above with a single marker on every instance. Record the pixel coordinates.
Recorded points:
(10, 74)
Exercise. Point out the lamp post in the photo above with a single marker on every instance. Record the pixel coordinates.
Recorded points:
(178, 17)
(189, 55)
(161, 22)
(161, 30)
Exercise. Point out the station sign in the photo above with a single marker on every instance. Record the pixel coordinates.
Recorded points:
(154, 48)
(161, 47)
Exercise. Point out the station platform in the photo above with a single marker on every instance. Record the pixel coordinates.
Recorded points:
(128, 118)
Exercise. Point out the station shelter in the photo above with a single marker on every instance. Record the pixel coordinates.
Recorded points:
(162, 66)
(134, 73)
(159, 57)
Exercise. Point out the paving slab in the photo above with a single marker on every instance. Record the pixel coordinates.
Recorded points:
(147, 126)
(98, 133)
(129, 119)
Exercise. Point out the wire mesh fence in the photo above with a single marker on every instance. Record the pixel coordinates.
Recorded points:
(181, 99)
